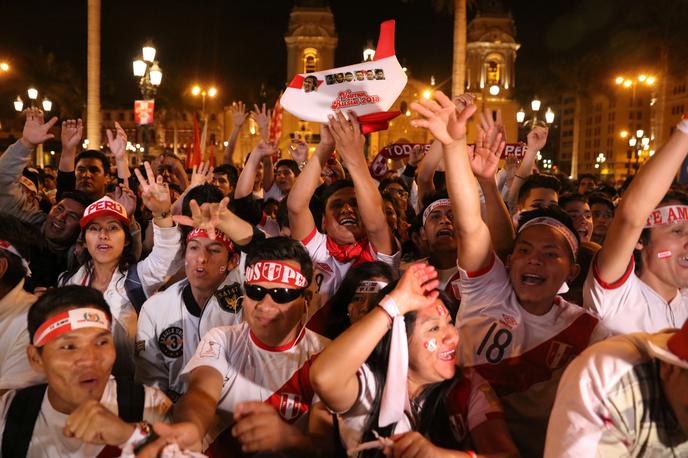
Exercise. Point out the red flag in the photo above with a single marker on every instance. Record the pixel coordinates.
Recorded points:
(276, 121)
(195, 153)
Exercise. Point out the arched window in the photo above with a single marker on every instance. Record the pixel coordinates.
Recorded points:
(310, 60)
(494, 65)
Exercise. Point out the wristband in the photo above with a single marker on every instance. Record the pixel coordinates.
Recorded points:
(683, 125)
(472, 454)
(141, 433)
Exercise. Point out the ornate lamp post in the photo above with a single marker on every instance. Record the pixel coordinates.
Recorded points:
(148, 71)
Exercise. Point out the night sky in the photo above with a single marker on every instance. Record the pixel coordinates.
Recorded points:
(239, 45)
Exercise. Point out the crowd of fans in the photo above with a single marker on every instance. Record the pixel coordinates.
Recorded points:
(299, 307)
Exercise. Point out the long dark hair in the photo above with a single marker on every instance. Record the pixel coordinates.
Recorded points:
(433, 418)
(338, 318)
(126, 259)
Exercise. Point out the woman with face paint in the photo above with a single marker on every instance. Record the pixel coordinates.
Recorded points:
(392, 379)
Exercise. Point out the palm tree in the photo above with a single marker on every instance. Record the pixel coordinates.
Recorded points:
(93, 91)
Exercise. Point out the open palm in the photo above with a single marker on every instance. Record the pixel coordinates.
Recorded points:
(442, 119)
(485, 156)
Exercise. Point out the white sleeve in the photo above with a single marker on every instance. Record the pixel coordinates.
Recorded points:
(316, 245)
(609, 300)
(483, 288)
(164, 260)
(150, 363)
(15, 370)
(212, 352)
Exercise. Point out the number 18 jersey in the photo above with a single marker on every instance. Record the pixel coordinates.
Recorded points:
(521, 355)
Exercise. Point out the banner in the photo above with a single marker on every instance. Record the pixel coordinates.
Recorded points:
(143, 112)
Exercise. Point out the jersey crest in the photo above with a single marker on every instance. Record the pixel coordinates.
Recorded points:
(230, 298)
(171, 342)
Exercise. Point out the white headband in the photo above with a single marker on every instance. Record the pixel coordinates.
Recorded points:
(434, 205)
(370, 286)
(557, 226)
(7, 246)
(670, 214)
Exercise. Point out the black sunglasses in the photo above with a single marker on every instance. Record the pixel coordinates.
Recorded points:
(279, 295)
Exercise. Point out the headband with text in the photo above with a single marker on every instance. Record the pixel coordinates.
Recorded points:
(219, 236)
(670, 214)
(370, 286)
(276, 272)
(69, 321)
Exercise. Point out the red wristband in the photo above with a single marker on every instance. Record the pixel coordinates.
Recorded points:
(472, 454)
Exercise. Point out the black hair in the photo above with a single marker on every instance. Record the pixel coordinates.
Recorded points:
(338, 318)
(554, 212)
(331, 189)
(608, 191)
(600, 198)
(204, 193)
(289, 163)
(281, 249)
(229, 170)
(537, 181)
(392, 180)
(673, 195)
(25, 239)
(94, 154)
(79, 197)
(566, 199)
(433, 418)
(57, 300)
(587, 175)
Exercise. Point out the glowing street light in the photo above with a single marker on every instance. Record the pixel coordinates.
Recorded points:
(535, 104)
(18, 104)
(47, 104)
(549, 116)
(32, 92)
(4, 67)
(427, 94)
(623, 134)
(520, 115)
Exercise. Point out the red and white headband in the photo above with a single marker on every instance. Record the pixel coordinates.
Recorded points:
(669, 214)
(275, 272)
(557, 226)
(433, 206)
(69, 321)
(7, 246)
(370, 286)
(219, 236)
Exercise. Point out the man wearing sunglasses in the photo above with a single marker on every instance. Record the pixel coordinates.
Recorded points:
(254, 376)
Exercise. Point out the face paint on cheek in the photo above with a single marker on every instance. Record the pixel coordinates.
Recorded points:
(664, 254)
(223, 268)
(430, 345)
(441, 310)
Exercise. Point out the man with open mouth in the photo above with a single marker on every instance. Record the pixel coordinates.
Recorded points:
(82, 411)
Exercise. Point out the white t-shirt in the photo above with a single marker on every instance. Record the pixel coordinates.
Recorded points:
(630, 305)
(274, 193)
(171, 325)
(15, 370)
(48, 440)
(470, 403)
(611, 402)
(254, 371)
(329, 273)
(521, 355)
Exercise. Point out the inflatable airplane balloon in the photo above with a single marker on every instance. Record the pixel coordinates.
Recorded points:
(369, 89)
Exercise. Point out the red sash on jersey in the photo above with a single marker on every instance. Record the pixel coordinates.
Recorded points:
(292, 400)
(359, 251)
(517, 374)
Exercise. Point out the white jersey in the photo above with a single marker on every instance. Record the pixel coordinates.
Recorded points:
(329, 272)
(171, 325)
(470, 402)
(274, 193)
(521, 355)
(611, 402)
(269, 226)
(254, 371)
(163, 262)
(631, 305)
(49, 441)
(15, 370)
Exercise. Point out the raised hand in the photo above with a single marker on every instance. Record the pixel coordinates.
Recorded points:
(207, 216)
(238, 113)
(155, 194)
(262, 117)
(490, 126)
(201, 174)
(116, 143)
(126, 197)
(35, 130)
(442, 118)
(416, 155)
(298, 150)
(537, 138)
(416, 288)
(484, 158)
(72, 132)
(347, 135)
(265, 148)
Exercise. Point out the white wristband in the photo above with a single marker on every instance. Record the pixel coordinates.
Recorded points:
(137, 436)
(389, 305)
(683, 126)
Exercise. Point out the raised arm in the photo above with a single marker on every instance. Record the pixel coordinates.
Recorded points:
(645, 192)
(301, 220)
(427, 169)
(244, 185)
(484, 160)
(210, 216)
(333, 374)
(349, 142)
(537, 138)
(262, 117)
(200, 174)
(238, 113)
(448, 125)
(118, 146)
(72, 132)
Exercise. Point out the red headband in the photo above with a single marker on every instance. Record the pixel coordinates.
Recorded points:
(669, 214)
(277, 272)
(219, 236)
(69, 321)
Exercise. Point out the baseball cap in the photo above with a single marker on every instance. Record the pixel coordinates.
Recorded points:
(104, 207)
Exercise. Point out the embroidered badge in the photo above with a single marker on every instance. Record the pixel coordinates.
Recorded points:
(230, 298)
(171, 342)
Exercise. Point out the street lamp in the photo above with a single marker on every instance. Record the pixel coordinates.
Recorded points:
(535, 106)
(494, 90)
(18, 104)
(47, 104)
(4, 67)
(197, 90)
(637, 145)
(32, 92)
(599, 160)
(148, 71)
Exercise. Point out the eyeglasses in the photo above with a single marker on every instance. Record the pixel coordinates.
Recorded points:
(279, 295)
